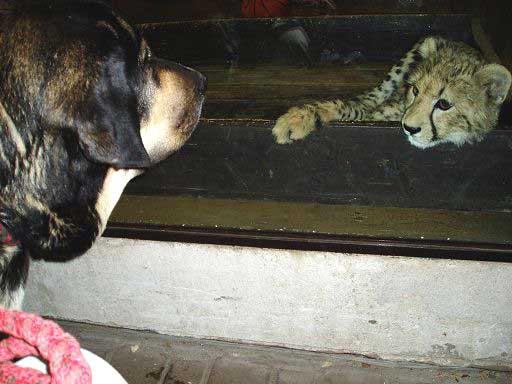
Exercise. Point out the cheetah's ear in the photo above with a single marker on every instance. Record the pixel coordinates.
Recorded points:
(430, 45)
(496, 80)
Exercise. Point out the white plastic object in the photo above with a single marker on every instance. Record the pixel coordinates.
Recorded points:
(102, 372)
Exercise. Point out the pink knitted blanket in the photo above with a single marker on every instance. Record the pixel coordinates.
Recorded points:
(30, 335)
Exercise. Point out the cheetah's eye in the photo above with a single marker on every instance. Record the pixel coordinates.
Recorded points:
(443, 104)
(415, 90)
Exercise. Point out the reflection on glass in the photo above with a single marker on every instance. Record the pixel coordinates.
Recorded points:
(260, 67)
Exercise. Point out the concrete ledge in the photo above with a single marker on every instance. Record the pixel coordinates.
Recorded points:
(436, 311)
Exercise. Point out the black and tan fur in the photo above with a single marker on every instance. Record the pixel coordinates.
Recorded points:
(441, 90)
(84, 108)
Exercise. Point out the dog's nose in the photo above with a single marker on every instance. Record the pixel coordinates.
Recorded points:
(202, 84)
(192, 79)
(412, 130)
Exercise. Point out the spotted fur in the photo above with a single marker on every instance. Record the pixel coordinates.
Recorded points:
(441, 91)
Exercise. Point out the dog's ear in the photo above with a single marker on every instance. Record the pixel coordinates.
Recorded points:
(112, 137)
(77, 74)
(109, 132)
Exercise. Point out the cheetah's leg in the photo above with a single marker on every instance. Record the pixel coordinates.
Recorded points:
(392, 110)
(297, 123)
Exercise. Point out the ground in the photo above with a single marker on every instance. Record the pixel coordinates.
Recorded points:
(147, 358)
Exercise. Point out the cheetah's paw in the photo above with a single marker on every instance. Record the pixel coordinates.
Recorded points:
(295, 124)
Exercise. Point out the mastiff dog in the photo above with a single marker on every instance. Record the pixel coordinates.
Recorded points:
(85, 106)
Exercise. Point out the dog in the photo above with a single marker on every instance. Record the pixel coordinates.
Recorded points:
(85, 107)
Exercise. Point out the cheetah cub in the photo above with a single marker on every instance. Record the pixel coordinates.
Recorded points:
(442, 91)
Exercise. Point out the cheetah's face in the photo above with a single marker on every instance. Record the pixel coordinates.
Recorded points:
(457, 109)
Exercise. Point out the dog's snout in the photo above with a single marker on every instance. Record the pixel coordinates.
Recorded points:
(412, 130)
(202, 84)
(190, 78)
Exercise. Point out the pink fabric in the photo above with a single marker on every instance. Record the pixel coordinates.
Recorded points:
(6, 237)
(32, 335)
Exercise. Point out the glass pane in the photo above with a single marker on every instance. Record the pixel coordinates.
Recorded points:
(259, 67)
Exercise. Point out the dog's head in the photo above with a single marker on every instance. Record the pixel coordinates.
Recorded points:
(82, 68)
(84, 106)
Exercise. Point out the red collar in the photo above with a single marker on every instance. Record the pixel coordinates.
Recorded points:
(6, 238)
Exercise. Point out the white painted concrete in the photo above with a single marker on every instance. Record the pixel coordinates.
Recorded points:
(445, 312)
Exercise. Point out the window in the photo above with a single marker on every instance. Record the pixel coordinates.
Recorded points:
(347, 186)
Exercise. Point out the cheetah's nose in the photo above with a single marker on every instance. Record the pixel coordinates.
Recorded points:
(412, 130)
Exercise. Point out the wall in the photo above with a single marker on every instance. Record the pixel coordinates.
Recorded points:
(437, 311)
(157, 10)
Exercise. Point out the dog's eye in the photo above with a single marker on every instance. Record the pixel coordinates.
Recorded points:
(415, 90)
(443, 104)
